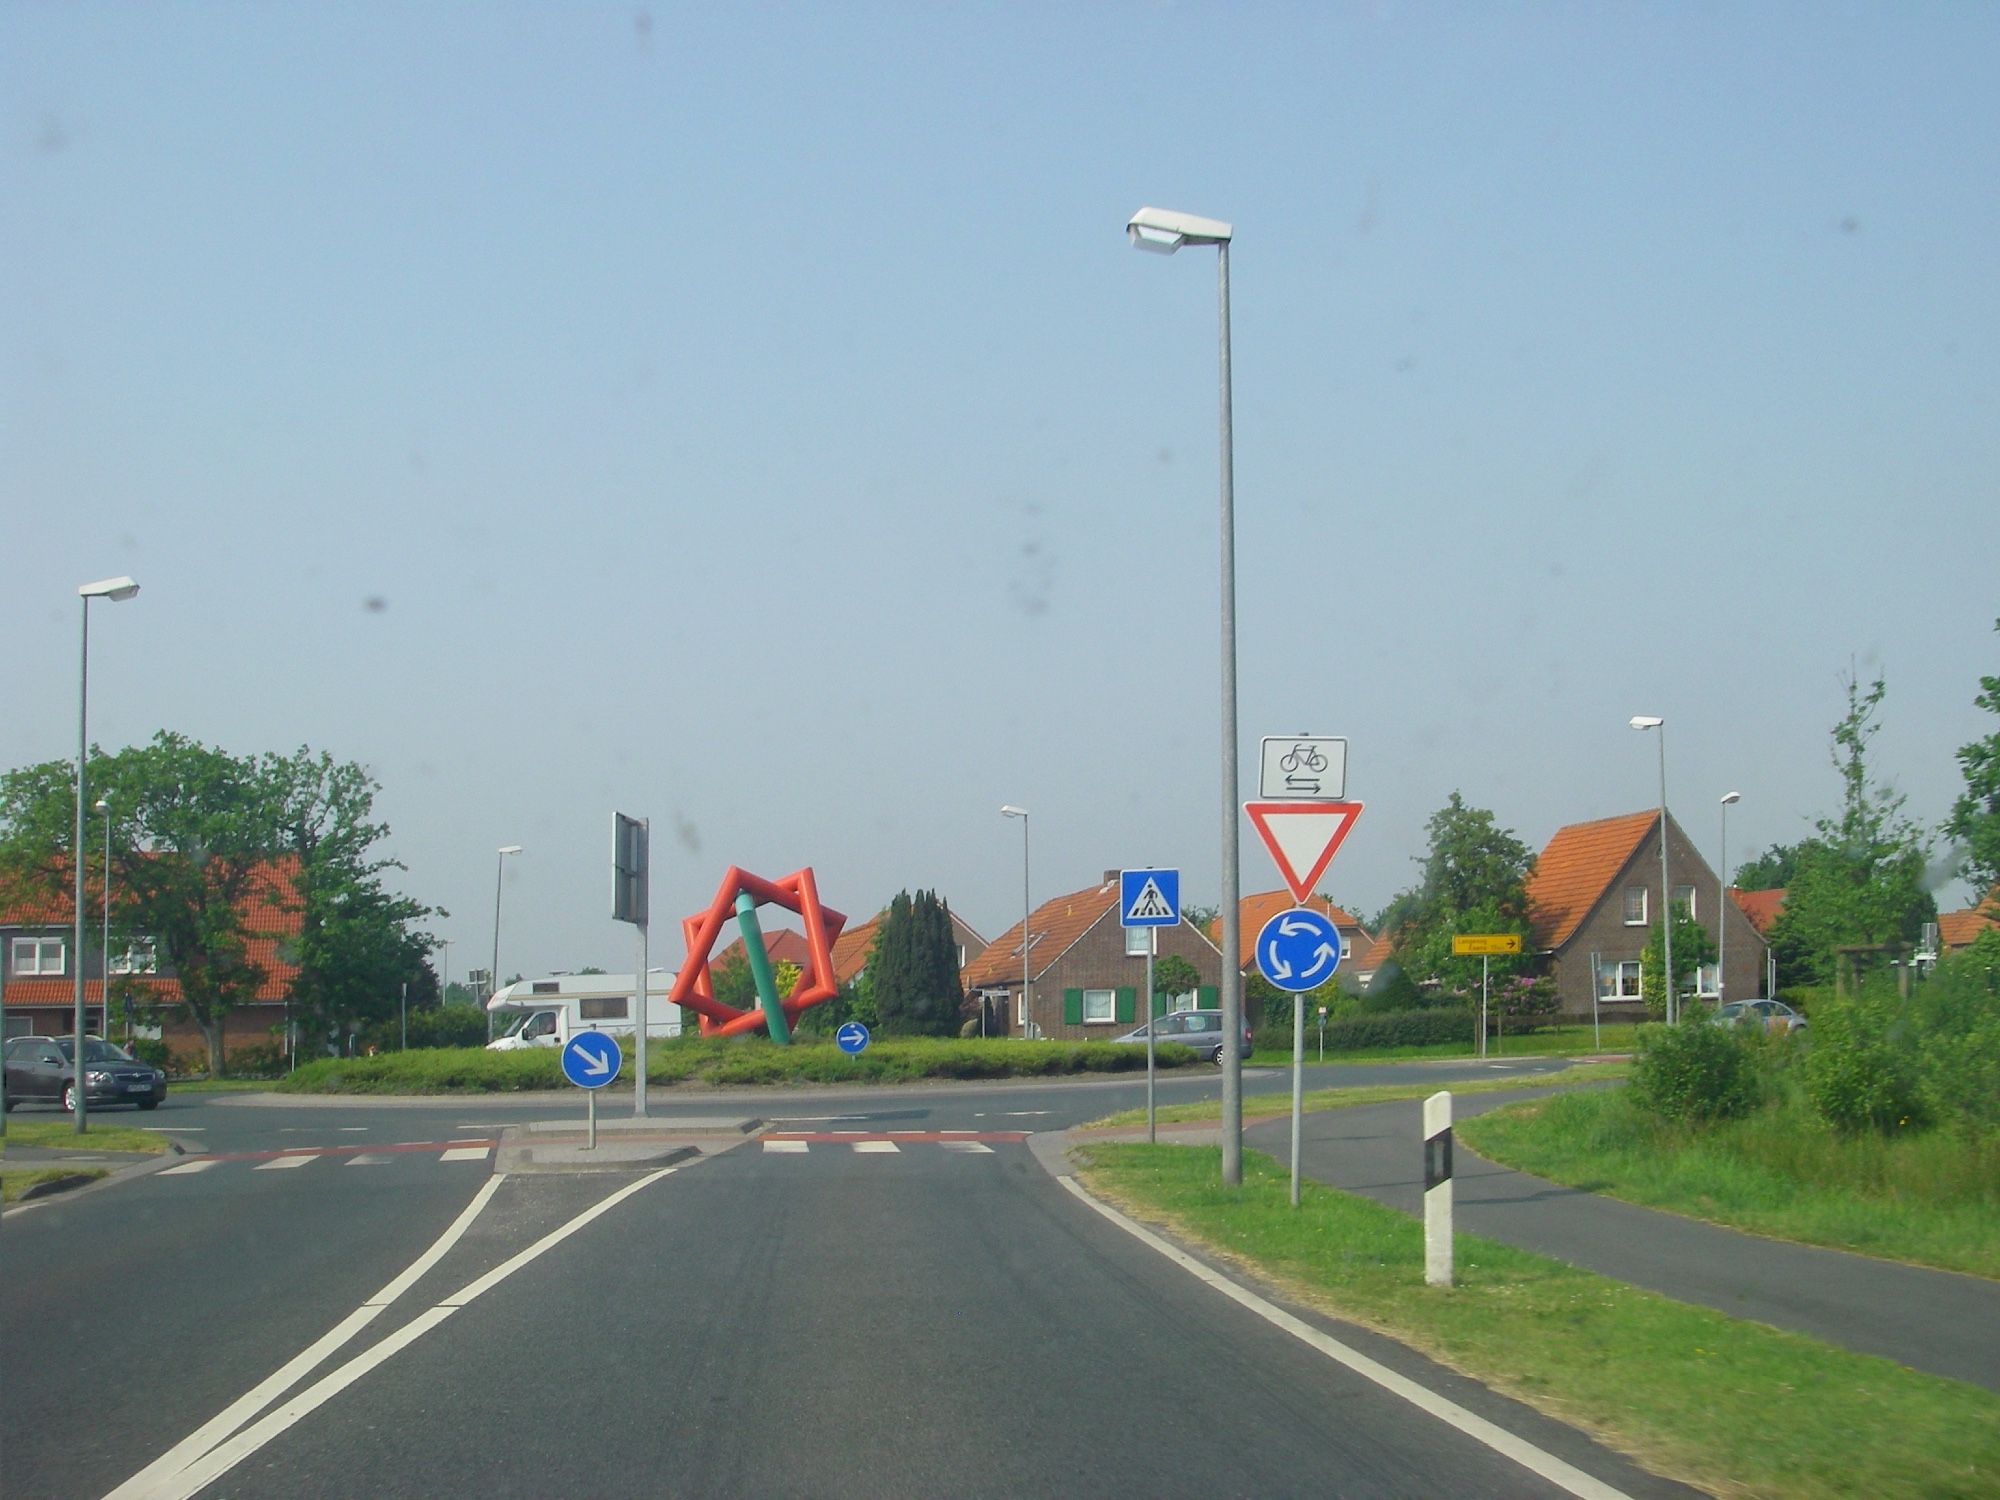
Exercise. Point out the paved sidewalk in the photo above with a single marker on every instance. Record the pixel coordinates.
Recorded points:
(1935, 1321)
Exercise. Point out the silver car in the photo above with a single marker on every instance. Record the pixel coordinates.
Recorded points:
(1767, 1015)
(1199, 1029)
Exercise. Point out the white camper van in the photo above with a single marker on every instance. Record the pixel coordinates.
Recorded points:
(548, 1012)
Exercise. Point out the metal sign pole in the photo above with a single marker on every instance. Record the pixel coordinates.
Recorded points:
(1298, 1083)
(1152, 942)
(1485, 975)
(591, 1095)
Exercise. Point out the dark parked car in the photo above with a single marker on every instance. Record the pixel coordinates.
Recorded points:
(1770, 1015)
(44, 1068)
(1199, 1029)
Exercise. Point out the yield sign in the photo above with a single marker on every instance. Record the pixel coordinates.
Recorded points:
(1302, 837)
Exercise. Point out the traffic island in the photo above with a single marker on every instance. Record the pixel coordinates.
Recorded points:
(623, 1145)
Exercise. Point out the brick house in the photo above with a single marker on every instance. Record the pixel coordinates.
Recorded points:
(37, 980)
(1592, 901)
(1956, 929)
(1085, 970)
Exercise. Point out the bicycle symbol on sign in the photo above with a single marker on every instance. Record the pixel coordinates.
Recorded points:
(1308, 756)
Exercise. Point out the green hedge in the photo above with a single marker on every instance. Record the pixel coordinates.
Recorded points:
(747, 1060)
(1396, 1028)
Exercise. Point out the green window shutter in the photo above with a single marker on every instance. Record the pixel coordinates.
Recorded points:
(1207, 997)
(1072, 1007)
(1127, 1002)
(1160, 1002)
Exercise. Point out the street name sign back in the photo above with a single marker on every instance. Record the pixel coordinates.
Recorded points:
(1149, 898)
(1302, 767)
(1302, 838)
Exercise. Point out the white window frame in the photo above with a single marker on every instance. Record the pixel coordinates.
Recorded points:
(1708, 980)
(1644, 895)
(30, 956)
(1106, 999)
(1612, 976)
(1688, 892)
(604, 1007)
(141, 956)
(1139, 941)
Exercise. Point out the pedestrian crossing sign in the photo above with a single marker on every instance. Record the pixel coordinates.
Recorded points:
(1149, 898)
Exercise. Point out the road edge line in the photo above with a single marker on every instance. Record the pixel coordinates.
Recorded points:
(1536, 1460)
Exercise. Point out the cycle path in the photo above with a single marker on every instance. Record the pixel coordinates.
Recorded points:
(1937, 1321)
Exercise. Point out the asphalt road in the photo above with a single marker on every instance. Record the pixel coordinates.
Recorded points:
(819, 1321)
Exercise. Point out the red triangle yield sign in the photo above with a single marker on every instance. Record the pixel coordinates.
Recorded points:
(1302, 837)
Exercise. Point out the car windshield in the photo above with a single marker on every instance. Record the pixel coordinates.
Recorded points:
(95, 1050)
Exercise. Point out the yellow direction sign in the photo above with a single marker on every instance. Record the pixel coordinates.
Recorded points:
(1478, 943)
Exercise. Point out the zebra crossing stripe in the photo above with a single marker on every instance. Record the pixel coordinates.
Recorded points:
(281, 1163)
(199, 1164)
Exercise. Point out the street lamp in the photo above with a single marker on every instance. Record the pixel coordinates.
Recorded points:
(1722, 906)
(104, 972)
(1027, 1007)
(1643, 722)
(117, 590)
(1162, 232)
(499, 869)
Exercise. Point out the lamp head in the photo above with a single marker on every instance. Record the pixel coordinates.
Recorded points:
(103, 806)
(510, 848)
(115, 589)
(1729, 797)
(1646, 721)
(1163, 231)
(1011, 811)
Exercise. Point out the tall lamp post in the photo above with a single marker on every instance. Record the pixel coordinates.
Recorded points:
(104, 972)
(1644, 722)
(117, 590)
(1162, 232)
(1027, 1007)
(1722, 906)
(499, 869)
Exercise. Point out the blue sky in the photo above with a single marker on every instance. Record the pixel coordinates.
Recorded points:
(753, 418)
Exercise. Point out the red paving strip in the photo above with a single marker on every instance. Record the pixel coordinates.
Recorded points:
(398, 1149)
(839, 1138)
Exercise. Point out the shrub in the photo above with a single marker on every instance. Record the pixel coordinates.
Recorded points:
(1957, 1017)
(1400, 1028)
(1861, 1071)
(1694, 1072)
(151, 1050)
(257, 1060)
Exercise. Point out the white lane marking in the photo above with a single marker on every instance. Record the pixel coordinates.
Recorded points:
(220, 1459)
(968, 1148)
(353, 1129)
(779, 1148)
(367, 1159)
(282, 1163)
(465, 1153)
(812, 1119)
(176, 1129)
(199, 1164)
(879, 1148)
(1520, 1450)
(220, 1426)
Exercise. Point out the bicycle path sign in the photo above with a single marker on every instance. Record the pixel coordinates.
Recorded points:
(1303, 768)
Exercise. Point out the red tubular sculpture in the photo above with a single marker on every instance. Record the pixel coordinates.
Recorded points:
(694, 989)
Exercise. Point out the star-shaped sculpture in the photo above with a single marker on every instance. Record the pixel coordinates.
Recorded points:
(694, 989)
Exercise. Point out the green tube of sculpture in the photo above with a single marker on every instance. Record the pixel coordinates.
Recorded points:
(760, 970)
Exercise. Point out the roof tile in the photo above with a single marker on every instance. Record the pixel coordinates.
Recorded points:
(1577, 868)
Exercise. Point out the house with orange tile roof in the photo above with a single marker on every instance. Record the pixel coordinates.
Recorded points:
(1594, 896)
(1084, 970)
(37, 977)
(1252, 912)
(1957, 929)
(1761, 907)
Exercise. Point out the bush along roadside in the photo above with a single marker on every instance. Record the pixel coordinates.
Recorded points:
(723, 1062)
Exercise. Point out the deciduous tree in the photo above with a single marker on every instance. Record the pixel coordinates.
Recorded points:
(1975, 816)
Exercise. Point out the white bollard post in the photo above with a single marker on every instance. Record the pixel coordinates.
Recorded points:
(1437, 1189)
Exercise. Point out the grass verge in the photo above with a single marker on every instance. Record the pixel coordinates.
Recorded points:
(1553, 1041)
(1209, 1111)
(17, 1182)
(1929, 1198)
(60, 1135)
(1734, 1408)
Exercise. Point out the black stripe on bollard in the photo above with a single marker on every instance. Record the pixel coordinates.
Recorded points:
(1437, 1159)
